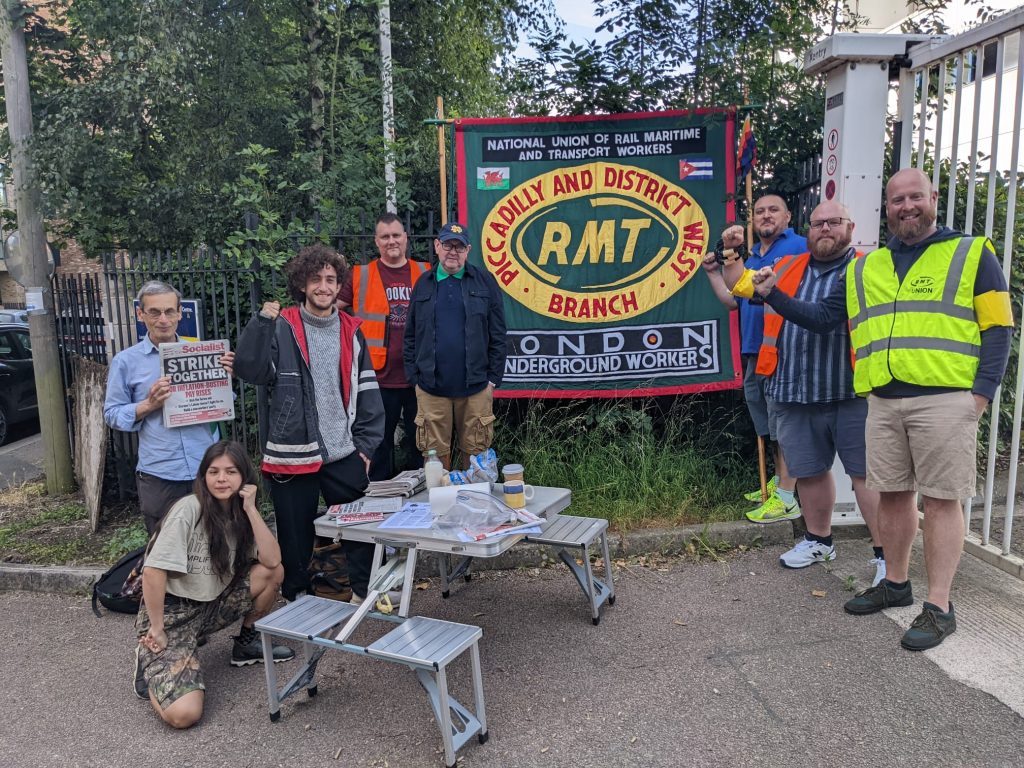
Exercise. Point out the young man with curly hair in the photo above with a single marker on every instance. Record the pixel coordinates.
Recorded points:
(326, 417)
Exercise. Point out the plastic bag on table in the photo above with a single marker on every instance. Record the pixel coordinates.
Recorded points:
(478, 514)
(474, 512)
(483, 468)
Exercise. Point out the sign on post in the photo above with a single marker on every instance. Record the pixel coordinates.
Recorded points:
(190, 325)
(594, 228)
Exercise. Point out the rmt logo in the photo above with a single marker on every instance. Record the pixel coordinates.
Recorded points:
(922, 285)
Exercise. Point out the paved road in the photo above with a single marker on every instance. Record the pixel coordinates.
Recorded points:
(730, 663)
(21, 459)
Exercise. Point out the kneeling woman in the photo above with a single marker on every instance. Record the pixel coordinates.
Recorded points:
(211, 562)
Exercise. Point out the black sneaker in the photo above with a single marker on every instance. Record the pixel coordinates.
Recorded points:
(875, 599)
(244, 654)
(930, 628)
(138, 679)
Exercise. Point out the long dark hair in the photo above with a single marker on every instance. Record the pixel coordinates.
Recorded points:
(230, 523)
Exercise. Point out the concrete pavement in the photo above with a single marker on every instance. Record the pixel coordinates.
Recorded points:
(21, 460)
(730, 663)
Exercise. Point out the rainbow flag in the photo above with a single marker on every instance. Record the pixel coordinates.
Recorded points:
(746, 156)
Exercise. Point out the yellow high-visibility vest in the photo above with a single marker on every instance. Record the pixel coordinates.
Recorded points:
(922, 330)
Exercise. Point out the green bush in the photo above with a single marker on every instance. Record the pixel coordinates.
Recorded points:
(628, 461)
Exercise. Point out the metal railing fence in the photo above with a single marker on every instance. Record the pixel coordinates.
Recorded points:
(963, 97)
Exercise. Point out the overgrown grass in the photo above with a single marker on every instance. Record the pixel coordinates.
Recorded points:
(625, 467)
(124, 540)
(38, 528)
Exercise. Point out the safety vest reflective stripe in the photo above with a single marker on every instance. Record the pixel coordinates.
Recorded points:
(772, 329)
(370, 302)
(925, 342)
(953, 310)
(946, 305)
(372, 275)
(919, 342)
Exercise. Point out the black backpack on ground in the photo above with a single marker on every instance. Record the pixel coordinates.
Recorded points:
(120, 588)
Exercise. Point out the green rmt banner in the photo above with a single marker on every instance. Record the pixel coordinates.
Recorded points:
(595, 227)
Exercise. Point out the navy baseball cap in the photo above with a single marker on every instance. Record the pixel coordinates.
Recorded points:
(454, 231)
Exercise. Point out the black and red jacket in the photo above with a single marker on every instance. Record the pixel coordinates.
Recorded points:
(275, 352)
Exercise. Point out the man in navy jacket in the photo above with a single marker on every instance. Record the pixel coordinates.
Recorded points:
(455, 350)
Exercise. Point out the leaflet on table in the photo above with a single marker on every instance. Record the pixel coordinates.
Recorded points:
(200, 387)
(363, 510)
(413, 515)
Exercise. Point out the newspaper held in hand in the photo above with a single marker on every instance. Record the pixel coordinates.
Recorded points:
(404, 484)
(363, 511)
(200, 387)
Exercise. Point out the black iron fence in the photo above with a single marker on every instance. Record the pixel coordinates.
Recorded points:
(807, 195)
(96, 313)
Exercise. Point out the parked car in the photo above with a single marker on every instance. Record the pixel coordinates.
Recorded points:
(14, 316)
(17, 378)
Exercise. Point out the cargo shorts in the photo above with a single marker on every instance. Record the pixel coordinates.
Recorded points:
(175, 671)
(471, 417)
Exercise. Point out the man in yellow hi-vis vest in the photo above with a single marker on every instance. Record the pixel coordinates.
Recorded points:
(930, 325)
(378, 293)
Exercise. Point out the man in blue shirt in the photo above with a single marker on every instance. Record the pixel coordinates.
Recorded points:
(136, 392)
(775, 240)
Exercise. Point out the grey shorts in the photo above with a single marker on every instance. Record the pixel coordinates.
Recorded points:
(761, 408)
(811, 435)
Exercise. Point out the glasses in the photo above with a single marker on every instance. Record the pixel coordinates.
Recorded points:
(156, 314)
(832, 223)
(451, 246)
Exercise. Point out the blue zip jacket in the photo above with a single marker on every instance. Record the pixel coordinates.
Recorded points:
(486, 347)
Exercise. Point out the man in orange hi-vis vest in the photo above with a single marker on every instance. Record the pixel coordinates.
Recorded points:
(378, 293)
(809, 376)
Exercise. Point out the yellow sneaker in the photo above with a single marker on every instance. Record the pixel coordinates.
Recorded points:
(774, 510)
(755, 496)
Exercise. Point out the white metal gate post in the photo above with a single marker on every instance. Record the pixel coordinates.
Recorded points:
(856, 69)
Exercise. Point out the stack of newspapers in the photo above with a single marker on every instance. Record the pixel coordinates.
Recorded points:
(405, 484)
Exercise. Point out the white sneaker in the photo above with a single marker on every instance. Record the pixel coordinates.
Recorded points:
(807, 553)
(879, 564)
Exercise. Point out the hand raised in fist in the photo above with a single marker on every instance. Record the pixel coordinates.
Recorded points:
(247, 493)
(764, 280)
(271, 309)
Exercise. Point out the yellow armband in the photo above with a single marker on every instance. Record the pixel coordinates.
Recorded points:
(744, 287)
(993, 309)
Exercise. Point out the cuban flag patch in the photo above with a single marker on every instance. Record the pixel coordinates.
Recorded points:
(696, 169)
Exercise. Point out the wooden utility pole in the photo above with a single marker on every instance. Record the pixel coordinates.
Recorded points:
(32, 255)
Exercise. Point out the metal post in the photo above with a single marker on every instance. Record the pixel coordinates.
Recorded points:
(42, 330)
(443, 160)
(387, 86)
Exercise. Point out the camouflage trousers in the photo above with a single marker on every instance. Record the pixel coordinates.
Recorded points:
(175, 671)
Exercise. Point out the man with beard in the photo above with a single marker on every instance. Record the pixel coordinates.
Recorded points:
(809, 378)
(776, 239)
(325, 419)
(930, 325)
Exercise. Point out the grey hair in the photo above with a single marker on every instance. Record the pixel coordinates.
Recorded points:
(154, 288)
